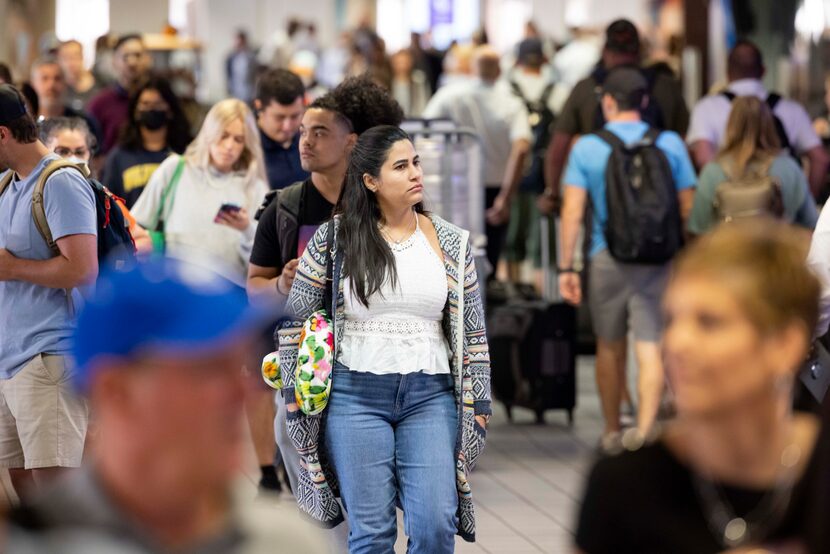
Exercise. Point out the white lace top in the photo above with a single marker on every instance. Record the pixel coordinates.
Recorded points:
(400, 331)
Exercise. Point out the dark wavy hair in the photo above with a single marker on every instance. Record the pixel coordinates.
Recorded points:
(368, 259)
(366, 104)
(178, 128)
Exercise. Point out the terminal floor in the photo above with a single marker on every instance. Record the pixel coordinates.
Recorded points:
(529, 480)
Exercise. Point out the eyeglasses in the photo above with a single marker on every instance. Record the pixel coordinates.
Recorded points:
(64, 152)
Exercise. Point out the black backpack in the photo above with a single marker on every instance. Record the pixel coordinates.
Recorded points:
(772, 100)
(116, 246)
(289, 205)
(644, 224)
(541, 124)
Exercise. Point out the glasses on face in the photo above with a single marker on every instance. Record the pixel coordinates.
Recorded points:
(65, 152)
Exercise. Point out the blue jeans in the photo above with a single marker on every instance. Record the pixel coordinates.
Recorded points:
(392, 437)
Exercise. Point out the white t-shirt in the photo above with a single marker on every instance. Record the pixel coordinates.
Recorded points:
(533, 85)
(711, 113)
(497, 115)
(189, 229)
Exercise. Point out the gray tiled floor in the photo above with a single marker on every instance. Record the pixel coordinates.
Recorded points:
(528, 482)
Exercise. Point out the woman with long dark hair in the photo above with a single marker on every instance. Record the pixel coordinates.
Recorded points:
(410, 390)
(157, 127)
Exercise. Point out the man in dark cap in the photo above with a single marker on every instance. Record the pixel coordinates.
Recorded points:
(581, 114)
(619, 293)
(42, 423)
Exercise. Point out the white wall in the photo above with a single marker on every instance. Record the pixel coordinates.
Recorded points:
(216, 23)
(146, 16)
(549, 15)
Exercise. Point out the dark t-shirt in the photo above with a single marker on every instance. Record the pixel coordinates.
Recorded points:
(314, 211)
(127, 172)
(579, 114)
(282, 164)
(647, 502)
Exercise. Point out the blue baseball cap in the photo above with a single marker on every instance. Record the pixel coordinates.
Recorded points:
(162, 306)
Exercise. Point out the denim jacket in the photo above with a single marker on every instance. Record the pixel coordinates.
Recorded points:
(463, 326)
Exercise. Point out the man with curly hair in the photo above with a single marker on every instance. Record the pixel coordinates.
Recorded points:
(329, 130)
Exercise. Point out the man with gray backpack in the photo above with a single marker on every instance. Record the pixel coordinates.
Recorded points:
(42, 422)
(640, 182)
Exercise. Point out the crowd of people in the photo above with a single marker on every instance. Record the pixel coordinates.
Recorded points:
(293, 218)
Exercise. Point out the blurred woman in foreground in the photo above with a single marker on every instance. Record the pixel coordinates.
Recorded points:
(737, 469)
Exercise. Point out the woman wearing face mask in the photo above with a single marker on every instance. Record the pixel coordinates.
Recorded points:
(157, 128)
(71, 139)
(211, 193)
(737, 470)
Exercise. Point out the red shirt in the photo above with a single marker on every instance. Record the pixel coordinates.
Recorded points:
(110, 108)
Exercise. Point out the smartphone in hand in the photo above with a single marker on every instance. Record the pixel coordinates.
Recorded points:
(228, 208)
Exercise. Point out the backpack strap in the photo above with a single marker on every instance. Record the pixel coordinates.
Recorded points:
(729, 95)
(613, 140)
(517, 90)
(772, 100)
(6, 180)
(38, 207)
(168, 194)
(288, 207)
(548, 90)
(291, 197)
(651, 135)
(39, 211)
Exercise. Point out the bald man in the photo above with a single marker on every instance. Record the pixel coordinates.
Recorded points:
(501, 120)
(745, 69)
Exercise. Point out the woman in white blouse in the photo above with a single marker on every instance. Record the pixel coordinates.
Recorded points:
(406, 418)
(205, 200)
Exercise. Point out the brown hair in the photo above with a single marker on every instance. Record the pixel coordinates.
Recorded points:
(750, 135)
(23, 129)
(764, 263)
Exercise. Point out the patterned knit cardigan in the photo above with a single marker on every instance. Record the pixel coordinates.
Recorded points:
(317, 489)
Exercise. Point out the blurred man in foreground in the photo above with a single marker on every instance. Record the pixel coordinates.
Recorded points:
(167, 392)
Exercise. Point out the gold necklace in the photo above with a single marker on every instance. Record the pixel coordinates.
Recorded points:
(385, 231)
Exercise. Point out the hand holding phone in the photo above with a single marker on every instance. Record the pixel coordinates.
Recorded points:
(233, 216)
(228, 208)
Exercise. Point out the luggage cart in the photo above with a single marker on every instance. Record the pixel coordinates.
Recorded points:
(452, 159)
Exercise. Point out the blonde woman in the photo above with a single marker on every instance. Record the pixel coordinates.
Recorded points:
(211, 193)
(752, 147)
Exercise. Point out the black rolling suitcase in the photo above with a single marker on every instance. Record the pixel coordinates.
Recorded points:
(533, 346)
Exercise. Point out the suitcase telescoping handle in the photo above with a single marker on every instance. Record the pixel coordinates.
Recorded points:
(550, 277)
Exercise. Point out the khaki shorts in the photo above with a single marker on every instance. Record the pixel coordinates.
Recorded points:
(42, 421)
(626, 296)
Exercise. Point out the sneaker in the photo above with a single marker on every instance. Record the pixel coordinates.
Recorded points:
(610, 444)
(628, 416)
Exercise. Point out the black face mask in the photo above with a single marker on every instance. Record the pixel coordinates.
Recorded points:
(153, 120)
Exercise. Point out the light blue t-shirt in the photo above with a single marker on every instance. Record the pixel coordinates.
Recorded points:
(33, 319)
(589, 158)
